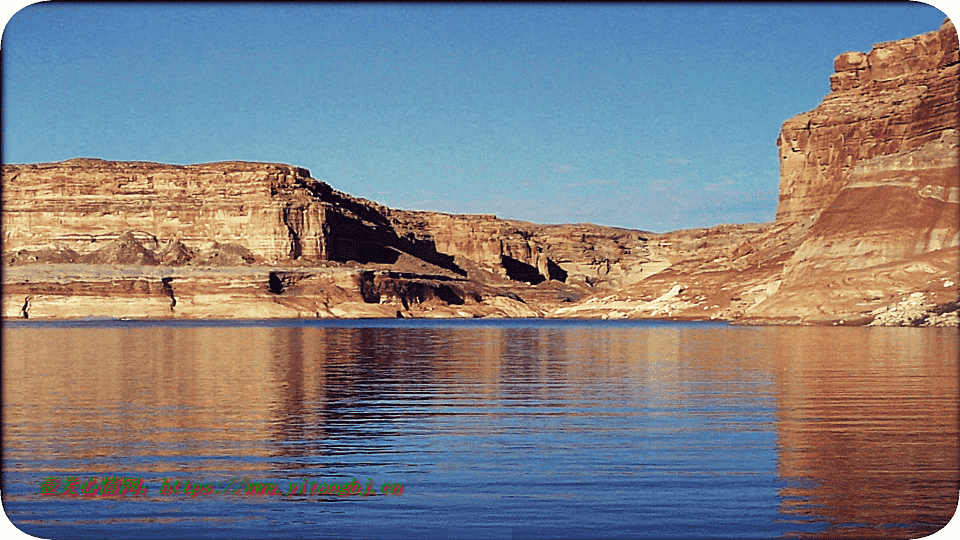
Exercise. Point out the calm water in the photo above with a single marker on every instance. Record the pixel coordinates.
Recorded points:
(494, 429)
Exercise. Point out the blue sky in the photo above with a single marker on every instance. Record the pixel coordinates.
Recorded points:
(646, 116)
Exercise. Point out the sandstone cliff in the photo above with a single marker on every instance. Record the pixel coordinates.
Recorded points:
(890, 220)
(268, 209)
(899, 98)
(867, 231)
(868, 215)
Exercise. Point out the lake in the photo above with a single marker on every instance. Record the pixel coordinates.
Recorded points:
(478, 429)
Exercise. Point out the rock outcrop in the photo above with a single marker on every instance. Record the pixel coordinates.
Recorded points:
(886, 143)
(868, 215)
(268, 209)
(867, 232)
(897, 101)
(875, 166)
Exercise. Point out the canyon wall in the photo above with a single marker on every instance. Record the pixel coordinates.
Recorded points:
(266, 208)
(585, 254)
(867, 232)
(280, 215)
(868, 223)
(898, 98)
(875, 166)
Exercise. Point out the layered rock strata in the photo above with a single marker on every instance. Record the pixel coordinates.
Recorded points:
(868, 218)
(899, 98)
(867, 232)
(890, 222)
(57, 291)
(265, 208)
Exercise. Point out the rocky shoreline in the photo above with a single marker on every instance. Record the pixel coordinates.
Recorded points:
(867, 233)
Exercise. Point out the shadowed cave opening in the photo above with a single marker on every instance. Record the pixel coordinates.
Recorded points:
(350, 239)
(556, 273)
(521, 271)
(275, 284)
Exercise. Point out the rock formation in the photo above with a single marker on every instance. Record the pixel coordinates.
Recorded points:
(868, 213)
(268, 209)
(867, 232)
(886, 143)
(876, 164)
(897, 101)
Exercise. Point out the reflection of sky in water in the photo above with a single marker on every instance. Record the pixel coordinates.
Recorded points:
(546, 428)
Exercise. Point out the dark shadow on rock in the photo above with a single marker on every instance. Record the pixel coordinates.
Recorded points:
(368, 288)
(363, 241)
(521, 271)
(426, 250)
(448, 295)
(556, 273)
(275, 284)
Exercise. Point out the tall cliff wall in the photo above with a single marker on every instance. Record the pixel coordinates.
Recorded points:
(875, 166)
(900, 97)
(277, 212)
(267, 208)
(868, 229)
(280, 215)
(868, 223)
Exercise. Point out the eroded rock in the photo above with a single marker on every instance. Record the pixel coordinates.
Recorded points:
(867, 231)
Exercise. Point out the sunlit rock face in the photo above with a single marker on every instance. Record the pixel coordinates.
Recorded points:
(268, 209)
(875, 166)
(868, 218)
(896, 105)
(591, 255)
(867, 232)
(893, 207)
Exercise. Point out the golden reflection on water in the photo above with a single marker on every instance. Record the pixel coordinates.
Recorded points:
(865, 418)
(871, 415)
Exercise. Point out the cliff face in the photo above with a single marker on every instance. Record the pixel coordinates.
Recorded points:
(278, 214)
(582, 254)
(867, 230)
(899, 98)
(878, 176)
(265, 208)
(867, 227)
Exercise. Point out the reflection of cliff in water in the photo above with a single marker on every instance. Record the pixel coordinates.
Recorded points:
(330, 381)
(857, 425)
(878, 432)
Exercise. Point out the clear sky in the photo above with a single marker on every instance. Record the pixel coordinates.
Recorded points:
(646, 116)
